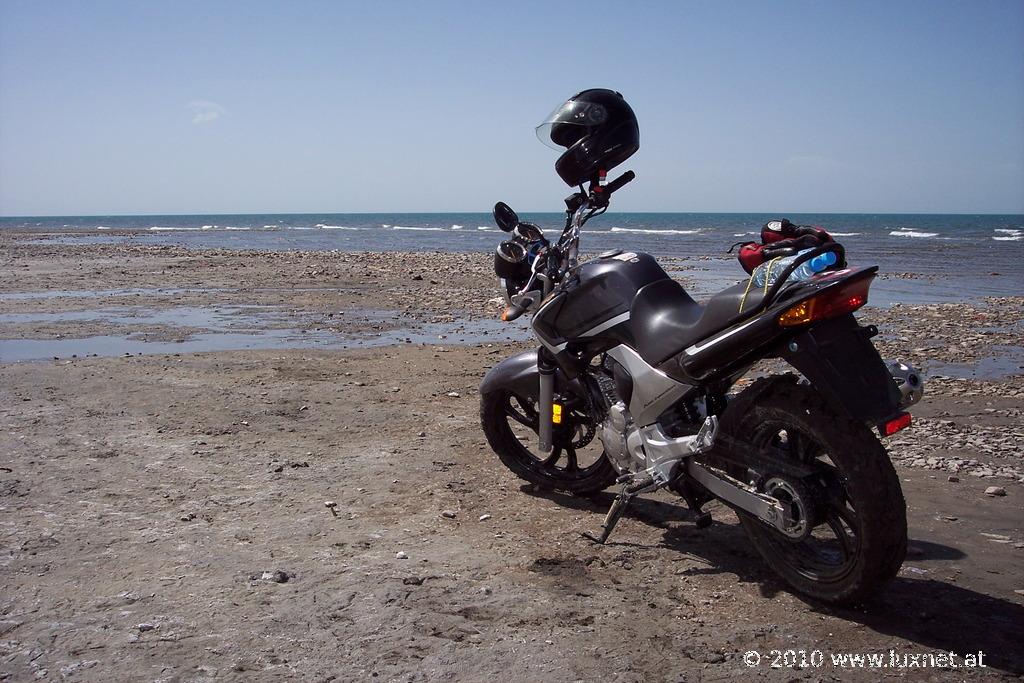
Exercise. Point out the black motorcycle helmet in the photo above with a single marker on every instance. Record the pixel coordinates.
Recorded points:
(598, 129)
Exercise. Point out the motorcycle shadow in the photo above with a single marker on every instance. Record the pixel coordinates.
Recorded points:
(937, 615)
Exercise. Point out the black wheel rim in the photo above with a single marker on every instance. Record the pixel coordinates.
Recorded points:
(566, 462)
(830, 552)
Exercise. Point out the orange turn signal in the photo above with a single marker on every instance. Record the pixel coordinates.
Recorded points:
(830, 304)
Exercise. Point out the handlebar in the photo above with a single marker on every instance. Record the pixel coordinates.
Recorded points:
(617, 184)
(554, 261)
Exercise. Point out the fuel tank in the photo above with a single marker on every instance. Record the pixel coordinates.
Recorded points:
(595, 305)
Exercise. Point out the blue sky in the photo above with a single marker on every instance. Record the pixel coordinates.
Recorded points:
(224, 107)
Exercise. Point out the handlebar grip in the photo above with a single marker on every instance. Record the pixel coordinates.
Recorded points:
(616, 184)
(512, 312)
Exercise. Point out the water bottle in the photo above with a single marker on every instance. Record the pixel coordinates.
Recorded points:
(806, 269)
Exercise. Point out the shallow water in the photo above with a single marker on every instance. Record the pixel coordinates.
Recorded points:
(1009, 361)
(219, 317)
(102, 293)
(232, 328)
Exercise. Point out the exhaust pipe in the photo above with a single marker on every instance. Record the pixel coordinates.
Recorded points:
(908, 380)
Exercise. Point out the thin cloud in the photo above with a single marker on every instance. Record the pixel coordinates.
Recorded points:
(204, 111)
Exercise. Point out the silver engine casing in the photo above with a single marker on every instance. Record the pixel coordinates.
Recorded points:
(614, 434)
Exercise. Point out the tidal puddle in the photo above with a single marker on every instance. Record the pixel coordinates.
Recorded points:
(218, 318)
(103, 293)
(146, 291)
(233, 328)
(988, 368)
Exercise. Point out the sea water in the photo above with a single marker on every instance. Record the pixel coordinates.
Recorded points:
(955, 256)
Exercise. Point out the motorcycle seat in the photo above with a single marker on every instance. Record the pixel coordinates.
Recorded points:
(664, 319)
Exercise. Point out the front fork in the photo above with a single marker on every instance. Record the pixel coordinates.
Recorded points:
(545, 399)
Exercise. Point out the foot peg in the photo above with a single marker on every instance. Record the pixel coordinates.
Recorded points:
(702, 520)
(667, 454)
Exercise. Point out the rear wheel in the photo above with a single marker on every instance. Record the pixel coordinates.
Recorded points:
(847, 531)
(575, 464)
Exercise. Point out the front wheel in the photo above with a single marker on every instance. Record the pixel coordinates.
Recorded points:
(575, 464)
(848, 531)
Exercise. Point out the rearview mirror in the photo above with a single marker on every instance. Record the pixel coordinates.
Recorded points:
(505, 217)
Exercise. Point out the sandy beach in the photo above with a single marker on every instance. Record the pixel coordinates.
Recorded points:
(165, 515)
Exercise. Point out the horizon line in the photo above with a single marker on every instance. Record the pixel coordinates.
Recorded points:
(525, 211)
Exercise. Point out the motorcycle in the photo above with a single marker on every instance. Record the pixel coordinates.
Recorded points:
(634, 383)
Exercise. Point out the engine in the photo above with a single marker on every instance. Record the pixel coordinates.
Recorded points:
(614, 432)
(684, 419)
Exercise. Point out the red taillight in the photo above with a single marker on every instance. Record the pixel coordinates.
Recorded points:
(829, 304)
(901, 421)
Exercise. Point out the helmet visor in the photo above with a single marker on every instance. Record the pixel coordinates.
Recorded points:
(569, 122)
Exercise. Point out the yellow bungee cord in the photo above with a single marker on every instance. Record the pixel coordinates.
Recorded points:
(767, 278)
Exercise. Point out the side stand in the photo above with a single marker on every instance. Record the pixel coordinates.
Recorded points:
(629, 491)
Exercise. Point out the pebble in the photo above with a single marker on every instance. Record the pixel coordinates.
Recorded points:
(453, 394)
(145, 627)
(952, 479)
(995, 491)
(484, 518)
(450, 514)
(401, 555)
(276, 576)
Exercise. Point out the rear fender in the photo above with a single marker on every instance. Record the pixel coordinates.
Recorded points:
(839, 360)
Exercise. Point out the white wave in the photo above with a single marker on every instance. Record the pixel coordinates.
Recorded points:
(406, 227)
(334, 227)
(904, 232)
(657, 232)
(384, 225)
(231, 227)
(1009, 231)
(844, 234)
(157, 228)
(456, 227)
(743, 234)
(102, 227)
(1009, 238)
(300, 228)
(270, 226)
(486, 228)
(208, 227)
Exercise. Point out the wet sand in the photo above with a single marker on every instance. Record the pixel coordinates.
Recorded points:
(164, 514)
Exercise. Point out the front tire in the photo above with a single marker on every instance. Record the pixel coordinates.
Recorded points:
(566, 468)
(860, 503)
